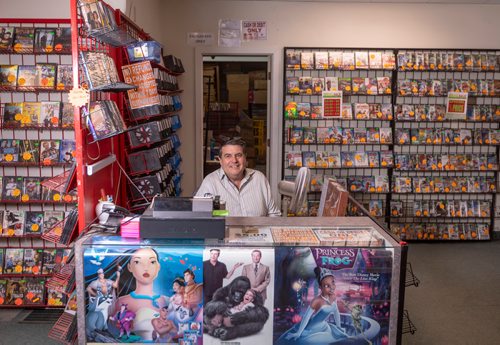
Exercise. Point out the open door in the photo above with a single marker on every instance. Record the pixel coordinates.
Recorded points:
(235, 104)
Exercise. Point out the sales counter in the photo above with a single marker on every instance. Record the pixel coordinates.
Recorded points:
(272, 280)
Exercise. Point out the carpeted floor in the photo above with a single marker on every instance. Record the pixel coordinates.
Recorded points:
(458, 298)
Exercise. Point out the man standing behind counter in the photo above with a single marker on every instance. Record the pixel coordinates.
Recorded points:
(245, 191)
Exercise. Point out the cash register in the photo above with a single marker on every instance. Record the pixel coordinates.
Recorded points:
(182, 218)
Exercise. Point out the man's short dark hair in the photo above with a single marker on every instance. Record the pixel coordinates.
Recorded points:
(190, 272)
(234, 141)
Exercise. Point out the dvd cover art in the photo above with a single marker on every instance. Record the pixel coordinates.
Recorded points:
(8, 75)
(9, 150)
(348, 60)
(309, 159)
(64, 77)
(1, 263)
(13, 223)
(46, 75)
(237, 286)
(292, 85)
(31, 114)
(371, 86)
(321, 60)
(6, 37)
(307, 60)
(52, 219)
(99, 121)
(303, 110)
(375, 59)
(12, 114)
(33, 223)
(67, 151)
(345, 292)
(144, 294)
(12, 188)
(318, 85)
(67, 115)
(31, 189)
(35, 290)
(49, 151)
(62, 41)
(316, 111)
(23, 39)
(44, 40)
(291, 110)
(3, 288)
(13, 261)
(29, 151)
(331, 83)
(388, 60)
(32, 261)
(48, 261)
(55, 298)
(305, 85)
(50, 114)
(16, 288)
(26, 76)
(335, 59)
(293, 60)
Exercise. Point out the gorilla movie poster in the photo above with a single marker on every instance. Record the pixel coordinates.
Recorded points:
(238, 295)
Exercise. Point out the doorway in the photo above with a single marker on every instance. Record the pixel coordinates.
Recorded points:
(235, 104)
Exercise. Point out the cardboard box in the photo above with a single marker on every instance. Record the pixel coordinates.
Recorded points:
(260, 84)
(260, 96)
(257, 75)
(237, 82)
(239, 96)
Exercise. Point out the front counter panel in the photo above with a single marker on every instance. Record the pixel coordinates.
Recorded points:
(303, 290)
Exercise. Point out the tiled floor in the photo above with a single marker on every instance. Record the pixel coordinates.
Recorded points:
(457, 301)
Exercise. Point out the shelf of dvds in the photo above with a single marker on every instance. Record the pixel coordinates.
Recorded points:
(354, 142)
(37, 143)
(454, 159)
(153, 156)
(391, 122)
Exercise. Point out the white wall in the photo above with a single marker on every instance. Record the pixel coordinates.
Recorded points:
(34, 9)
(310, 24)
(147, 14)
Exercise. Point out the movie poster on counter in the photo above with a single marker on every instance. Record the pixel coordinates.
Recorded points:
(332, 104)
(325, 295)
(254, 30)
(141, 294)
(141, 75)
(229, 33)
(238, 294)
(456, 105)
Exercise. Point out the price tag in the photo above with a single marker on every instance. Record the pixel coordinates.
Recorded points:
(78, 97)
(35, 227)
(25, 198)
(26, 156)
(57, 197)
(58, 231)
